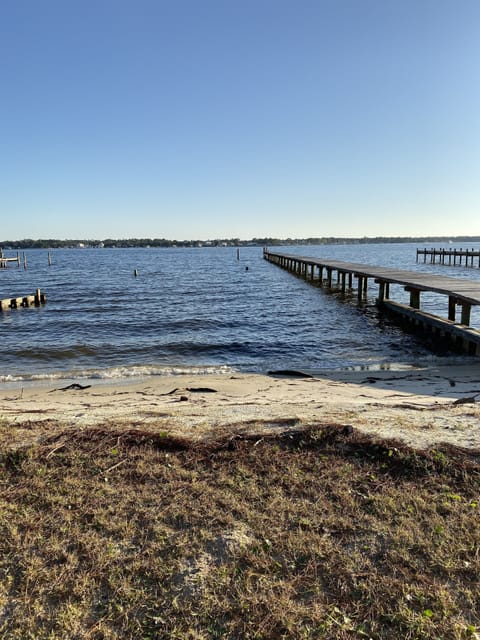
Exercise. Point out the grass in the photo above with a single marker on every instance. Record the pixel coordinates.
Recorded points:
(112, 534)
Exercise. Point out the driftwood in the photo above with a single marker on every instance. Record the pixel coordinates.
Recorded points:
(467, 400)
(74, 387)
(191, 389)
(291, 373)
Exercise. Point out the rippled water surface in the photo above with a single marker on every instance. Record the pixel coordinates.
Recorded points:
(199, 310)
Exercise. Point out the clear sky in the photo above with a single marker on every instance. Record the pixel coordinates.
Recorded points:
(239, 118)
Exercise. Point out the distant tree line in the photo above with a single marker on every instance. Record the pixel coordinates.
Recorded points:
(229, 242)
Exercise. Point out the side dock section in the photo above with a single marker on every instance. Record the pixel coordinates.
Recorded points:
(461, 294)
(37, 299)
(451, 257)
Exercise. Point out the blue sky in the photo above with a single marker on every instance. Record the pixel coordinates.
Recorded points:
(202, 119)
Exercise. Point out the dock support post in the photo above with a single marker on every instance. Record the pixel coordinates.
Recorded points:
(414, 298)
(466, 308)
(381, 291)
(329, 278)
(320, 275)
(360, 288)
(452, 308)
(343, 276)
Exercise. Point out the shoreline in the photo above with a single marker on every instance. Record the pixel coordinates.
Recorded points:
(421, 407)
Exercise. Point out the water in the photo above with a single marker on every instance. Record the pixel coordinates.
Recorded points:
(200, 310)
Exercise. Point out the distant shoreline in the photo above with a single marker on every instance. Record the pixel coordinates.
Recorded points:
(129, 243)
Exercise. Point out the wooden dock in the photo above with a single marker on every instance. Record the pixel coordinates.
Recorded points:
(340, 276)
(37, 299)
(451, 257)
(5, 261)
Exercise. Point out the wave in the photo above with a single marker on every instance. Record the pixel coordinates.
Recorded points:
(117, 373)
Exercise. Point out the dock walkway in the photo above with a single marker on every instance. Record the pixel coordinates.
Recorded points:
(460, 292)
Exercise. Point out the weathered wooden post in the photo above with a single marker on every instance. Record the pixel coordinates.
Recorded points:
(466, 308)
(329, 278)
(452, 308)
(381, 291)
(414, 297)
(360, 288)
(320, 275)
(49, 259)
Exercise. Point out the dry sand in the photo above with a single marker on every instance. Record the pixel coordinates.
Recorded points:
(421, 407)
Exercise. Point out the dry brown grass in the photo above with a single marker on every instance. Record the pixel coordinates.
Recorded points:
(319, 534)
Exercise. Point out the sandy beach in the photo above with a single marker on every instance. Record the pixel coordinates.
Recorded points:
(420, 407)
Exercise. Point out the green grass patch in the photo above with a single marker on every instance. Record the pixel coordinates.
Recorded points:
(318, 534)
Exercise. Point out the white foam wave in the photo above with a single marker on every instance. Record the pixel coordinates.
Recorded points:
(117, 373)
